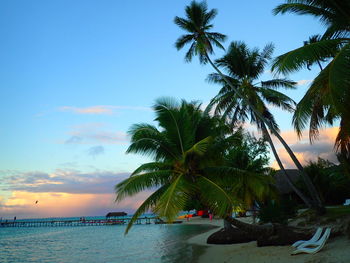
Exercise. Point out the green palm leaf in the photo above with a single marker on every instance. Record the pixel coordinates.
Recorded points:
(173, 200)
(150, 202)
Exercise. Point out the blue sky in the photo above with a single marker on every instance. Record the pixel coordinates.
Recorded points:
(75, 75)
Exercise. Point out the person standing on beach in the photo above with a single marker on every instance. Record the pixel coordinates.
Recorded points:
(210, 216)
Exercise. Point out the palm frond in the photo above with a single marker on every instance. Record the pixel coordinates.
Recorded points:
(152, 167)
(147, 140)
(201, 147)
(150, 202)
(215, 196)
(300, 57)
(174, 198)
(279, 83)
(138, 183)
(278, 99)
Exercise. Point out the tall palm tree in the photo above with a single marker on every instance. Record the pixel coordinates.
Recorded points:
(328, 96)
(201, 40)
(187, 141)
(244, 67)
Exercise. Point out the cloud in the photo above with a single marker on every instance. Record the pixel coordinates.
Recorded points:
(96, 150)
(95, 134)
(63, 193)
(88, 110)
(100, 109)
(63, 181)
(323, 147)
(303, 82)
(74, 140)
(22, 204)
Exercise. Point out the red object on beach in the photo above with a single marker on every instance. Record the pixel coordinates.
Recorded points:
(202, 212)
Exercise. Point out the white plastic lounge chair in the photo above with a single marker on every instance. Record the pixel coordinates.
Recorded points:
(312, 240)
(347, 202)
(315, 247)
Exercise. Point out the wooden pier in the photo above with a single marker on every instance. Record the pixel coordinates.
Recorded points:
(78, 222)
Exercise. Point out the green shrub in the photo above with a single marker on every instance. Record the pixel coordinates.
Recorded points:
(278, 212)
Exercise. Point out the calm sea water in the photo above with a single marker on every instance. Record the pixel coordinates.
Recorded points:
(100, 244)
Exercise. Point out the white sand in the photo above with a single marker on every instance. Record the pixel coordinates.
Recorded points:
(335, 251)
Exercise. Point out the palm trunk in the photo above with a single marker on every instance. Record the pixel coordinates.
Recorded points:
(271, 234)
(255, 230)
(289, 181)
(316, 201)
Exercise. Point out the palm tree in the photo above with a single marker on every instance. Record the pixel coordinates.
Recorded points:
(244, 172)
(197, 24)
(328, 96)
(186, 142)
(250, 155)
(188, 149)
(244, 67)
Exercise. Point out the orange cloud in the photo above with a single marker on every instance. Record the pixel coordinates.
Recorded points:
(323, 147)
(23, 204)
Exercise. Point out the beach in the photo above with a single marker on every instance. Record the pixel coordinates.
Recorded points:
(336, 250)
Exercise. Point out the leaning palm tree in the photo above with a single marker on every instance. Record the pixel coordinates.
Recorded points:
(186, 142)
(244, 67)
(328, 96)
(201, 40)
(188, 148)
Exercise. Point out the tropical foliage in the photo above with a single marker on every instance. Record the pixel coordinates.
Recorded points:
(330, 180)
(254, 184)
(188, 150)
(196, 24)
(244, 67)
(200, 39)
(328, 97)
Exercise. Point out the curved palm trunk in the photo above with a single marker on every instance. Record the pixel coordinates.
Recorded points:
(256, 230)
(316, 201)
(271, 234)
(289, 181)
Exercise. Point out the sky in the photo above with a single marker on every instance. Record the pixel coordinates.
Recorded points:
(75, 75)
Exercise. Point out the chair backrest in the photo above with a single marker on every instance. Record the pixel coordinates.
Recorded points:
(316, 235)
(324, 237)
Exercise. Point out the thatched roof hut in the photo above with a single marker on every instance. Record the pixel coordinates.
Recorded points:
(281, 182)
(116, 214)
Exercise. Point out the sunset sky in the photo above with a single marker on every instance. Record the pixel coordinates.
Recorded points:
(75, 75)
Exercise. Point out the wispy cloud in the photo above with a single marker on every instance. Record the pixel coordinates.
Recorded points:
(303, 82)
(95, 133)
(100, 109)
(95, 150)
(62, 180)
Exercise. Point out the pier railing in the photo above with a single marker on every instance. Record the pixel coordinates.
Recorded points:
(77, 222)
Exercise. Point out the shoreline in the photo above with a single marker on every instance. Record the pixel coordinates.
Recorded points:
(336, 250)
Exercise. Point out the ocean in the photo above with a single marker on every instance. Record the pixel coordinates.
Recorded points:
(100, 244)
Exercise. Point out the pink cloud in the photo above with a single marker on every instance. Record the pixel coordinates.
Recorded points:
(323, 147)
(100, 109)
(88, 110)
